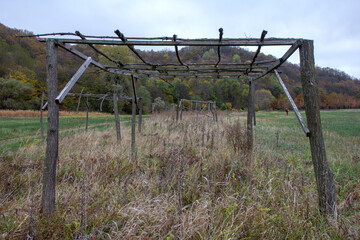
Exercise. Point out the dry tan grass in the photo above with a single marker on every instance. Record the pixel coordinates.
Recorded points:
(187, 183)
(33, 113)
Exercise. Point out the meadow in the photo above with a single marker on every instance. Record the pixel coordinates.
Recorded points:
(22, 128)
(194, 179)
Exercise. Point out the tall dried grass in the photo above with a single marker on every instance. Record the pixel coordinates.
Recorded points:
(189, 182)
(33, 113)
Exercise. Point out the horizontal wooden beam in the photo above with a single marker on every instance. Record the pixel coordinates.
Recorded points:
(100, 96)
(178, 42)
(197, 101)
(222, 68)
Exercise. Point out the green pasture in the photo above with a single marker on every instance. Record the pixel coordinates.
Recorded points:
(18, 132)
(282, 136)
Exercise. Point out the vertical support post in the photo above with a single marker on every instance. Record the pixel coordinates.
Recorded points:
(253, 100)
(250, 117)
(117, 119)
(212, 110)
(177, 111)
(133, 120)
(324, 177)
(87, 113)
(140, 113)
(41, 116)
(77, 108)
(216, 118)
(52, 146)
(181, 109)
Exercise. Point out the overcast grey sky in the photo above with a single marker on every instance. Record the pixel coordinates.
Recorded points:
(334, 25)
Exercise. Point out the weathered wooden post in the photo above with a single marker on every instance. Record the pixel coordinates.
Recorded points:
(52, 147)
(250, 117)
(216, 118)
(140, 113)
(41, 116)
(177, 111)
(253, 100)
(77, 108)
(133, 121)
(117, 119)
(324, 177)
(87, 112)
(181, 109)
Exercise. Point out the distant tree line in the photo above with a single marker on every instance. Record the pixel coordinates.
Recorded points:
(23, 78)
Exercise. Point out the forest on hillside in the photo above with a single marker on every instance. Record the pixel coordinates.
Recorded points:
(23, 78)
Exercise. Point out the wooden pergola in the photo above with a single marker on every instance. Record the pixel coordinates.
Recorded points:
(252, 71)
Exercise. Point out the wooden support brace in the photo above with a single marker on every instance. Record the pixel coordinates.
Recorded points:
(296, 110)
(72, 81)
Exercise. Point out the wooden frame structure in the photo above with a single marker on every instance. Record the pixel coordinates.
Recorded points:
(253, 71)
(199, 107)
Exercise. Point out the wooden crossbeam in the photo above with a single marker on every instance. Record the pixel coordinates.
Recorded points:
(178, 42)
(197, 101)
(100, 96)
(132, 67)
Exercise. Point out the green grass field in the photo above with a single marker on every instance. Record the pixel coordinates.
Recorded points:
(18, 132)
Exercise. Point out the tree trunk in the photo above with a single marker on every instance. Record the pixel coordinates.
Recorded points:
(324, 177)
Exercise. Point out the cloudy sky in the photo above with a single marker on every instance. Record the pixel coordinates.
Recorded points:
(334, 25)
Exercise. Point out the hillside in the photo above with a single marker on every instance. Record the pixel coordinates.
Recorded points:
(23, 78)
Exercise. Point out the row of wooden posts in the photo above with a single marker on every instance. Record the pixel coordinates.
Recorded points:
(199, 107)
(324, 177)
